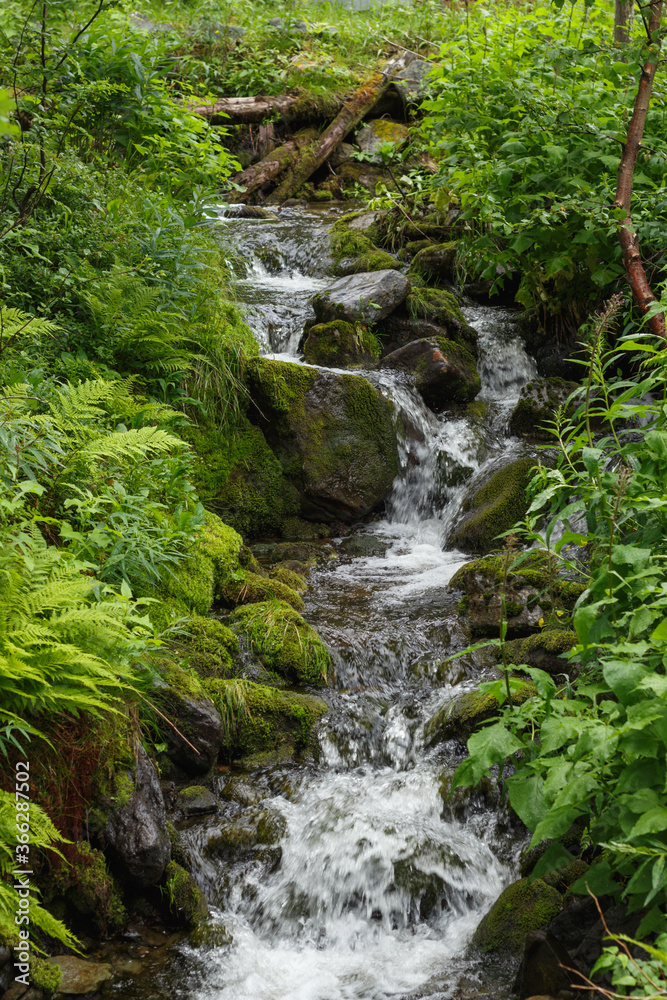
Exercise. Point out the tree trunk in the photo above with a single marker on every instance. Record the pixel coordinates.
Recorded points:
(352, 113)
(627, 236)
(243, 110)
(273, 164)
(623, 15)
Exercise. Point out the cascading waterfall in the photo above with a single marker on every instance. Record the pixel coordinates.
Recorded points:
(372, 886)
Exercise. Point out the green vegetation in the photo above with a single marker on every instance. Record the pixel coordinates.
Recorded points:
(285, 642)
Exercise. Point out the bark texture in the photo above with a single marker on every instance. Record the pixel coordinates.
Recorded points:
(623, 14)
(351, 114)
(628, 237)
(255, 177)
(243, 110)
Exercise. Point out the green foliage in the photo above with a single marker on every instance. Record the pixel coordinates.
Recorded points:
(526, 119)
(286, 642)
(594, 750)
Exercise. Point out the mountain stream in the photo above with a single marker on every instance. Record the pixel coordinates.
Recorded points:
(366, 885)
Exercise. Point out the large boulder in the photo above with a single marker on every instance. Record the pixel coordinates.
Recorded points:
(374, 136)
(136, 832)
(494, 507)
(334, 435)
(522, 907)
(537, 405)
(182, 699)
(531, 594)
(444, 372)
(338, 344)
(364, 298)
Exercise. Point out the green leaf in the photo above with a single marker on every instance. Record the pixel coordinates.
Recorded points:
(556, 856)
(598, 880)
(654, 821)
(527, 799)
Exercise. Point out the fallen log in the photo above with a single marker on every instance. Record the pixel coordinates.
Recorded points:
(351, 114)
(255, 177)
(243, 110)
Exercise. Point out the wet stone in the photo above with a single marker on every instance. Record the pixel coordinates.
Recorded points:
(367, 297)
(196, 801)
(79, 976)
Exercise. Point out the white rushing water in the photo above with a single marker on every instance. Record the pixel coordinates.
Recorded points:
(376, 886)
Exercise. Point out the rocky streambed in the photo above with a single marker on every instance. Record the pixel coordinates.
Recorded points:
(305, 832)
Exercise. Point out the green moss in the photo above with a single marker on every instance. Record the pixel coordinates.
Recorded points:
(338, 343)
(436, 305)
(93, 891)
(240, 478)
(184, 682)
(183, 896)
(434, 262)
(44, 976)
(291, 579)
(522, 907)
(177, 851)
(285, 642)
(321, 194)
(274, 723)
(543, 649)
(461, 717)
(372, 259)
(211, 636)
(251, 589)
(494, 508)
(213, 559)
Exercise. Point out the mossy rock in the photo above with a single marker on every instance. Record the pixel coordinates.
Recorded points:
(290, 578)
(545, 649)
(459, 718)
(284, 641)
(271, 725)
(182, 897)
(183, 700)
(563, 878)
(250, 588)
(295, 529)
(534, 592)
(91, 889)
(212, 648)
(196, 800)
(440, 307)
(522, 907)
(248, 835)
(239, 477)
(372, 260)
(213, 559)
(494, 507)
(334, 435)
(338, 344)
(444, 372)
(435, 263)
(537, 406)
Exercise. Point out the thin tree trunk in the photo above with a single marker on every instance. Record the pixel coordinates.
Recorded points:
(273, 164)
(628, 237)
(354, 110)
(623, 15)
(243, 110)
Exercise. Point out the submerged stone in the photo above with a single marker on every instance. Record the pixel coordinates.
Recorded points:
(78, 976)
